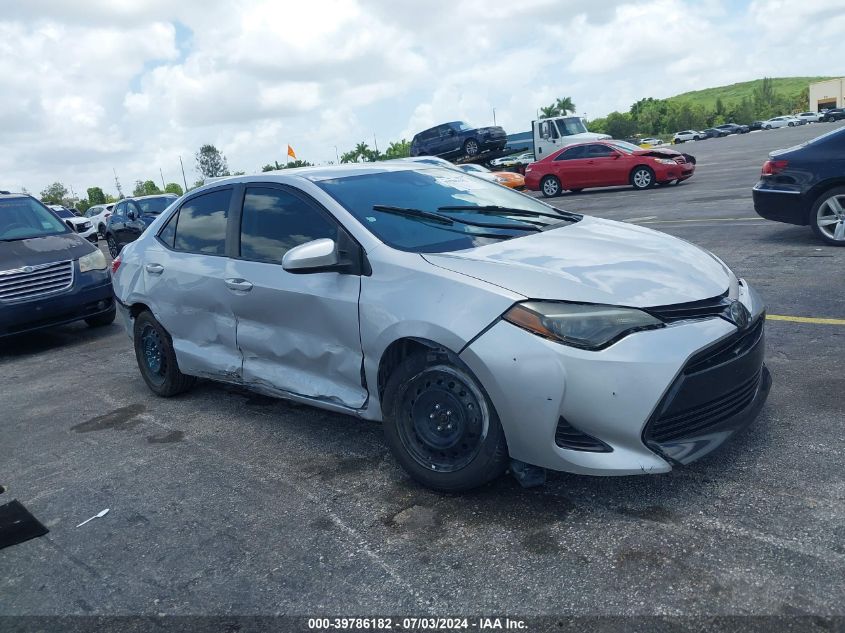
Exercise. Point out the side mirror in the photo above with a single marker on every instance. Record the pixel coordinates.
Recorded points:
(131, 215)
(324, 255)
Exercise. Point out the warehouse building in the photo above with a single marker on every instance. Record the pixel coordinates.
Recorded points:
(827, 94)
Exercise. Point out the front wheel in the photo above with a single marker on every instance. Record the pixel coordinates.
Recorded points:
(827, 216)
(441, 426)
(642, 178)
(157, 359)
(791, 124)
(471, 147)
(550, 186)
(114, 250)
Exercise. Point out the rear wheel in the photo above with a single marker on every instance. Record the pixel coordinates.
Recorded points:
(157, 359)
(101, 230)
(114, 250)
(791, 124)
(440, 425)
(471, 147)
(827, 216)
(642, 177)
(550, 186)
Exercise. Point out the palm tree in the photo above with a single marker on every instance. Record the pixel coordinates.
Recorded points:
(548, 112)
(564, 106)
(362, 150)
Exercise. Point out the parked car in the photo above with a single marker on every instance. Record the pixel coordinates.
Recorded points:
(504, 178)
(457, 139)
(508, 161)
(804, 185)
(779, 121)
(734, 128)
(478, 324)
(607, 164)
(650, 142)
(798, 120)
(834, 114)
(99, 215)
(809, 117)
(49, 275)
(74, 222)
(131, 216)
(755, 125)
(688, 135)
(712, 132)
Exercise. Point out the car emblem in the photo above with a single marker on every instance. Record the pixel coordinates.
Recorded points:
(28, 269)
(739, 314)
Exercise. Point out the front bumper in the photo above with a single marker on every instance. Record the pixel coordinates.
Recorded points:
(542, 390)
(91, 295)
(666, 173)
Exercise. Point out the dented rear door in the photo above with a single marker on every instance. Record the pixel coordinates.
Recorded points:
(298, 333)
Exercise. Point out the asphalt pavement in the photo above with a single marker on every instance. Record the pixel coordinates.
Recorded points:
(226, 502)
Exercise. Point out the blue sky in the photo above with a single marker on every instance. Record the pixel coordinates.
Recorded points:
(133, 84)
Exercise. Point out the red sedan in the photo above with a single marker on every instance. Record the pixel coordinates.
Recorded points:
(606, 164)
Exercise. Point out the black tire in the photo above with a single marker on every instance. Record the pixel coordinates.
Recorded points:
(114, 249)
(101, 320)
(440, 424)
(471, 147)
(767, 127)
(550, 186)
(157, 361)
(791, 124)
(642, 177)
(827, 232)
(101, 230)
(677, 141)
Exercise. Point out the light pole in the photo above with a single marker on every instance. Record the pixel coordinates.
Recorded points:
(336, 155)
(494, 116)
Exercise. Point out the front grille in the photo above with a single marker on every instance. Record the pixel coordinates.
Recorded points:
(567, 436)
(704, 309)
(736, 345)
(698, 420)
(82, 227)
(33, 282)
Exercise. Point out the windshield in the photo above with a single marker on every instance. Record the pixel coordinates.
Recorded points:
(63, 213)
(154, 206)
(463, 127)
(430, 190)
(24, 218)
(624, 146)
(571, 125)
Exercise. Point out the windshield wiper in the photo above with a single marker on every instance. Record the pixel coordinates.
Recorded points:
(442, 219)
(499, 210)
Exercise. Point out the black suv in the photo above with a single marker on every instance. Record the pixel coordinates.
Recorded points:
(834, 114)
(49, 275)
(131, 216)
(733, 128)
(457, 139)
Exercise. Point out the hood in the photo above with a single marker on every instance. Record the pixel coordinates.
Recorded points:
(494, 130)
(42, 250)
(595, 261)
(657, 152)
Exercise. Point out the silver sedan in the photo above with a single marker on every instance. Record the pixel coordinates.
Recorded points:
(484, 328)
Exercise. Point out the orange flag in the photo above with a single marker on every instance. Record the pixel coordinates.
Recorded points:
(291, 153)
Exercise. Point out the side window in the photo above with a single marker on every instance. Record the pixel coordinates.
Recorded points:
(599, 151)
(168, 234)
(572, 153)
(201, 227)
(553, 129)
(119, 210)
(274, 221)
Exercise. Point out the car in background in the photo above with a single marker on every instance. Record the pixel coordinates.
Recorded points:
(798, 120)
(833, 114)
(131, 216)
(650, 142)
(755, 125)
(448, 308)
(809, 117)
(504, 178)
(688, 135)
(804, 185)
(712, 132)
(99, 216)
(82, 226)
(778, 122)
(734, 128)
(49, 275)
(509, 161)
(606, 164)
(457, 139)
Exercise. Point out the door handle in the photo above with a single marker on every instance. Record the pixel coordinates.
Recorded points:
(239, 284)
(154, 269)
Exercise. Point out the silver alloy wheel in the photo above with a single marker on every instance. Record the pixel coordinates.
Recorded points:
(642, 178)
(471, 147)
(551, 187)
(830, 218)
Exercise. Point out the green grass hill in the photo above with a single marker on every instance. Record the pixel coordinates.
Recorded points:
(734, 93)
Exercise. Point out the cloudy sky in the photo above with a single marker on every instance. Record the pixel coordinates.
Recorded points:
(93, 85)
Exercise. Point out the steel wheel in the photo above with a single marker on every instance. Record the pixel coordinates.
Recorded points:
(642, 178)
(446, 420)
(471, 147)
(550, 186)
(830, 217)
(152, 351)
(114, 251)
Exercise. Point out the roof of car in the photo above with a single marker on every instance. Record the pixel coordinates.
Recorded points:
(154, 195)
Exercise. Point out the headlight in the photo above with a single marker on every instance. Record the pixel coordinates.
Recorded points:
(92, 261)
(586, 326)
(665, 161)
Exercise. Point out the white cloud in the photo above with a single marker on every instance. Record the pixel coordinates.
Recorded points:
(134, 84)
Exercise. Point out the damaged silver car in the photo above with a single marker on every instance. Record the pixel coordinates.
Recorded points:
(482, 326)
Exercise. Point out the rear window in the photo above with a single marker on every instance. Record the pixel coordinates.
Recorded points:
(25, 218)
(153, 206)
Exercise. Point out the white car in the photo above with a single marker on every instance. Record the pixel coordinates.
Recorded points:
(688, 135)
(82, 226)
(479, 325)
(651, 142)
(520, 159)
(779, 121)
(99, 215)
(810, 117)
